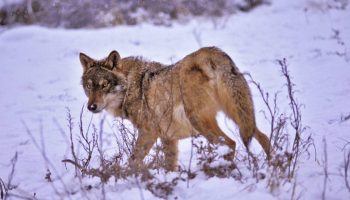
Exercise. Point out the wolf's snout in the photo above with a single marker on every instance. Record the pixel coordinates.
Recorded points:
(92, 107)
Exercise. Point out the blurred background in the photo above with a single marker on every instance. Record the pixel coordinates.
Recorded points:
(105, 13)
(40, 89)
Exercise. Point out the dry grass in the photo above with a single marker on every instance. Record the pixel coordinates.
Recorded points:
(287, 148)
(9, 190)
(347, 169)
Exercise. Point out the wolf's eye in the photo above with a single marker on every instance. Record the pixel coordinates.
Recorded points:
(88, 86)
(105, 85)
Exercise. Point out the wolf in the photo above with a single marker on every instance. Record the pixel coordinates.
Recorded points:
(172, 102)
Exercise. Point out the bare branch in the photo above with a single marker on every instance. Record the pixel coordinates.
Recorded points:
(48, 162)
(325, 169)
(347, 169)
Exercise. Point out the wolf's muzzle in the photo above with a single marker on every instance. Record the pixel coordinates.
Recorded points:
(92, 107)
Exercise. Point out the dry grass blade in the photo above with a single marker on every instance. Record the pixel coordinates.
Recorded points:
(344, 118)
(325, 169)
(347, 169)
(300, 144)
(2, 189)
(8, 189)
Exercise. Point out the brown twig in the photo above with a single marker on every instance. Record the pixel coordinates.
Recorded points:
(325, 169)
(346, 169)
(47, 160)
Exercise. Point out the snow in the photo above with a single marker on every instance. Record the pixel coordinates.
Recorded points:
(40, 79)
(6, 2)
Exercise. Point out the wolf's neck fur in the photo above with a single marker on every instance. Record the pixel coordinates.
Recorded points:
(138, 73)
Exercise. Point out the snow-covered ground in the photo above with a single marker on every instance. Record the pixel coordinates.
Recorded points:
(40, 79)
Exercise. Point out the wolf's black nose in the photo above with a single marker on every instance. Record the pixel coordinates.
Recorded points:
(92, 107)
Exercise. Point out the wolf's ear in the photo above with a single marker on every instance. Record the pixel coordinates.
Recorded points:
(113, 59)
(86, 61)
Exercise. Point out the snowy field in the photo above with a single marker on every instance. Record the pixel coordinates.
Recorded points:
(40, 79)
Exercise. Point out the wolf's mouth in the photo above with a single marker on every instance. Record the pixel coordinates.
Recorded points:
(96, 111)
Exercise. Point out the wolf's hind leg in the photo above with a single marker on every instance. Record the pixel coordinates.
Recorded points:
(205, 123)
(201, 104)
(210, 129)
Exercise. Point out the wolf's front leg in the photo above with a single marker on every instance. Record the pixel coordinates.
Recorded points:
(170, 149)
(143, 145)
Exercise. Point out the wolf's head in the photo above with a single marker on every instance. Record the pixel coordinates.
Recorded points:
(103, 82)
